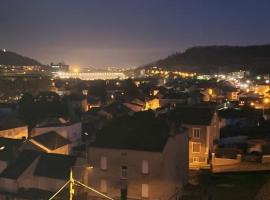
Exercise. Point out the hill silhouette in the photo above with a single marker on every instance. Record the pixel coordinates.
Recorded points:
(218, 59)
(11, 58)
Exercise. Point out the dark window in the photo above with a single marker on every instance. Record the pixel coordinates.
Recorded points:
(124, 172)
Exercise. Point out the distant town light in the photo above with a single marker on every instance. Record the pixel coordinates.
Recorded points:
(76, 70)
(266, 100)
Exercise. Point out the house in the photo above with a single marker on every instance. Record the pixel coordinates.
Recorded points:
(203, 127)
(152, 103)
(12, 127)
(136, 105)
(93, 102)
(115, 109)
(139, 157)
(173, 98)
(68, 129)
(35, 171)
(77, 102)
(52, 142)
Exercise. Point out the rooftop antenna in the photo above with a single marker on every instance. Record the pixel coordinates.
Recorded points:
(71, 182)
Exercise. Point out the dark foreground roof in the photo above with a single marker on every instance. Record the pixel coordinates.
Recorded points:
(20, 164)
(55, 166)
(49, 165)
(139, 132)
(29, 193)
(51, 140)
(9, 147)
(9, 122)
(193, 115)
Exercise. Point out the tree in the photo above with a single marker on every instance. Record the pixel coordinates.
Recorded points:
(27, 109)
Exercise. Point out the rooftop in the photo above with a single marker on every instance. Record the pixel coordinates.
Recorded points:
(20, 164)
(54, 166)
(51, 140)
(193, 115)
(9, 147)
(142, 131)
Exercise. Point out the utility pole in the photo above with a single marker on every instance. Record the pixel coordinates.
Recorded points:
(71, 184)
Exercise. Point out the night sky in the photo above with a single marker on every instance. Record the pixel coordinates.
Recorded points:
(127, 32)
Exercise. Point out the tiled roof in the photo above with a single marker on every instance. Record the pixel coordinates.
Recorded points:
(54, 166)
(116, 108)
(9, 122)
(8, 148)
(142, 131)
(20, 164)
(193, 115)
(51, 140)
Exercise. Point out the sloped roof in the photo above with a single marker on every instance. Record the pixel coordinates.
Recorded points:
(10, 121)
(54, 166)
(20, 164)
(115, 108)
(55, 122)
(29, 194)
(51, 140)
(9, 147)
(193, 115)
(142, 131)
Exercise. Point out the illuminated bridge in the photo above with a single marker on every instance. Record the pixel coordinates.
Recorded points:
(91, 75)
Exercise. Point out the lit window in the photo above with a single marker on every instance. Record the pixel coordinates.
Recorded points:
(103, 163)
(196, 132)
(195, 159)
(145, 167)
(196, 147)
(124, 172)
(103, 186)
(145, 190)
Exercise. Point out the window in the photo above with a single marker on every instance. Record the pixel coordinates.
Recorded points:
(196, 147)
(103, 186)
(198, 159)
(124, 172)
(196, 132)
(195, 159)
(145, 167)
(103, 163)
(145, 190)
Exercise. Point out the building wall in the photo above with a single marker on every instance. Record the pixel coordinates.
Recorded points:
(208, 134)
(48, 184)
(176, 162)
(62, 150)
(15, 133)
(8, 185)
(66, 149)
(168, 171)
(72, 132)
(3, 165)
(202, 155)
(133, 161)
